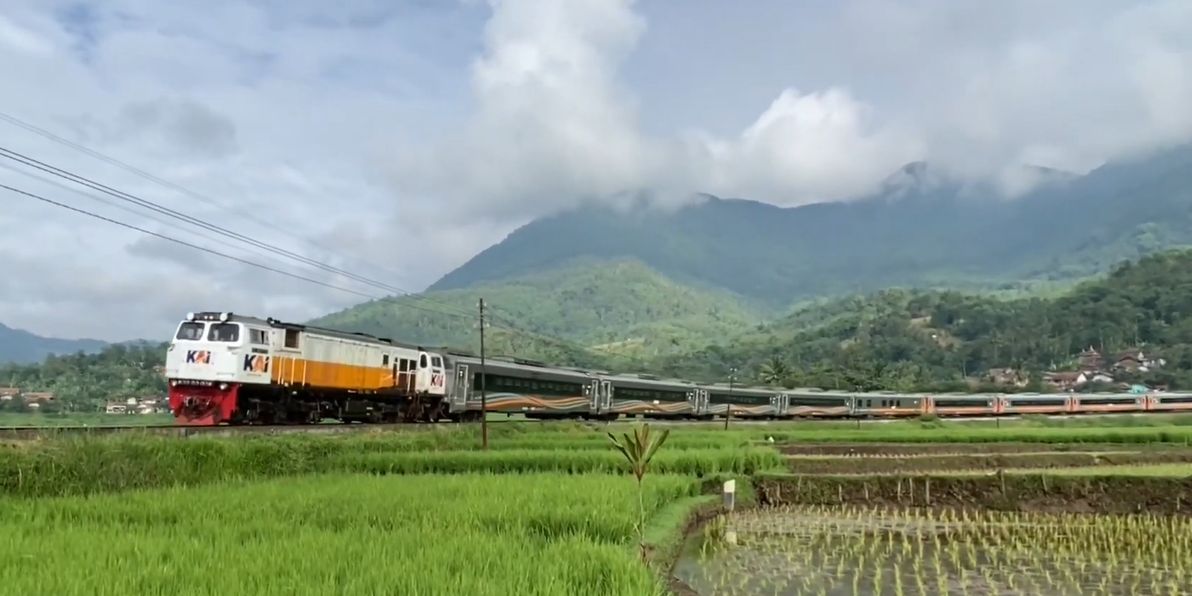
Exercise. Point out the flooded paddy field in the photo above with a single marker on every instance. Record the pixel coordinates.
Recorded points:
(846, 550)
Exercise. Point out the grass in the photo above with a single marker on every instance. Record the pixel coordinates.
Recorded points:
(80, 465)
(697, 462)
(75, 465)
(341, 534)
(81, 419)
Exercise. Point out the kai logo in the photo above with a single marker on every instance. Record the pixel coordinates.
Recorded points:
(256, 363)
(436, 380)
(198, 357)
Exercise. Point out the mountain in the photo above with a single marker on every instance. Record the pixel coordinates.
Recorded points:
(932, 340)
(923, 229)
(23, 347)
(606, 311)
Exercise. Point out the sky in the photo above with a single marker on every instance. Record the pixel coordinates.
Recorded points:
(394, 140)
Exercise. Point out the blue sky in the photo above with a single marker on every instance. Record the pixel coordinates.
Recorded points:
(397, 139)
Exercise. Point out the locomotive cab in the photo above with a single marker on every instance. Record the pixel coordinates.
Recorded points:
(210, 359)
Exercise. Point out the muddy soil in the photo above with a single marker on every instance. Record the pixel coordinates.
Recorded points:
(1022, 492)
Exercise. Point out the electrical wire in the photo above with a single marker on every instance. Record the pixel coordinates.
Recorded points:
(158, 208)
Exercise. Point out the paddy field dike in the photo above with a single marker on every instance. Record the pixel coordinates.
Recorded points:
(1072, 506)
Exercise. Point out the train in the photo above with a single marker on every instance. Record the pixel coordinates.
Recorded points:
(223, 368)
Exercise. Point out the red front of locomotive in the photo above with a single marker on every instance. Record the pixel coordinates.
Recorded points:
(202, 403)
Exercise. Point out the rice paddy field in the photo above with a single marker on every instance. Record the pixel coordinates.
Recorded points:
(847, 550)
(339, 534)
(551, 508)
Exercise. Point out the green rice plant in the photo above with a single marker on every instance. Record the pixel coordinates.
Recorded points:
(692, 462)
(89, 465)
(639, 449)
(342, 534)
(984, 551)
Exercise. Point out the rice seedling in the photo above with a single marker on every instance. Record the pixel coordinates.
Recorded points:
(341, 534)
(965, 552)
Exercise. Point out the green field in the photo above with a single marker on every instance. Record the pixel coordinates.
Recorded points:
(339, 534)
(550, 508)
(81, 419)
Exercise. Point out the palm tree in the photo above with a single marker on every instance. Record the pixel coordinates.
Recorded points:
(638, 449)
(775, 371)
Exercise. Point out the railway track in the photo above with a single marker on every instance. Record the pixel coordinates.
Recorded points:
(34, 432)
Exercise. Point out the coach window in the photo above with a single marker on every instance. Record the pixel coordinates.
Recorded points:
(436, 361)
(384, 359)
(292, 338)
(422, 362)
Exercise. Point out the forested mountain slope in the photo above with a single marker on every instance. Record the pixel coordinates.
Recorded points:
(923, 229)
(622, 309)
(900, 339)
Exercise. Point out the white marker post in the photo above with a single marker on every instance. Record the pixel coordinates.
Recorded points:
(730, 497)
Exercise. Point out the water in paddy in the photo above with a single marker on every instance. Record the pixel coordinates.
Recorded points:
(838, 551)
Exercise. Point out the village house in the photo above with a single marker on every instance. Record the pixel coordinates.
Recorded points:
(32, 398)
(9, 393)
(133, 405)
(1090, 359)
(1065, 381)
(1073, 380)
(1006, 376)
(1136, 361)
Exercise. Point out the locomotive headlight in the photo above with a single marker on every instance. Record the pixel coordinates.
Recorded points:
(190, 316)
(223, 386)
(223, 317)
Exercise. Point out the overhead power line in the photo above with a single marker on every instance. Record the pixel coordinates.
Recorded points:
(508, 327)
(198, 222)
(177, 241)
(13, 120)
(450, 310)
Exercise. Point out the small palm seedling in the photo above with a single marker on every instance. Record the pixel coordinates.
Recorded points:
(639, 448)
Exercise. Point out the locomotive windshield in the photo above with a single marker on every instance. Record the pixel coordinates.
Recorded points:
(190, 331)
(224, 332)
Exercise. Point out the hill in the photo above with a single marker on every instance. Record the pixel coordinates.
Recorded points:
(83, 382)
(24, 347)
(913, 339)
(924, 229)
(605, 311)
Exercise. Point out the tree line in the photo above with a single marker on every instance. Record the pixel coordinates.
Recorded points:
(904, 340)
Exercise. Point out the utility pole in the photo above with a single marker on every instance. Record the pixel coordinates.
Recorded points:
(483, 392)
(728, 407)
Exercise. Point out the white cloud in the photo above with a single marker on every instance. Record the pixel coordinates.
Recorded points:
(807, 148)
(554, 127)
